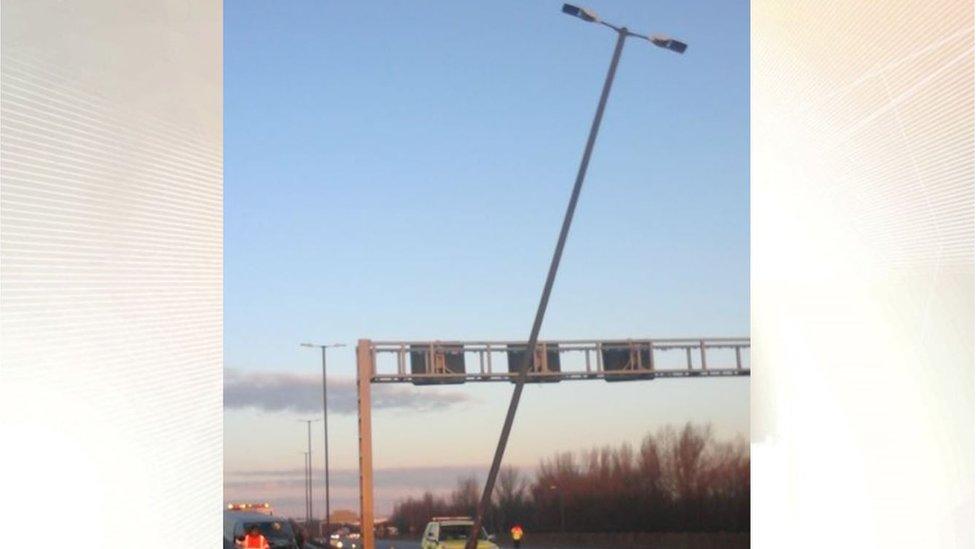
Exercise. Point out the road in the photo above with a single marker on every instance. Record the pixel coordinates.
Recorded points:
(396, 544)
(380, 544)
(406, 544)
(657, 541)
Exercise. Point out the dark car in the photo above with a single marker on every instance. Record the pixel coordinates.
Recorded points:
(278, 531)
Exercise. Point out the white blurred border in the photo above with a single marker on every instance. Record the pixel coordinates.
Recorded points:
(111, 273)
(862, 213)
(862, 274)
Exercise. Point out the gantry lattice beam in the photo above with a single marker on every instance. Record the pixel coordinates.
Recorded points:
(446, 362)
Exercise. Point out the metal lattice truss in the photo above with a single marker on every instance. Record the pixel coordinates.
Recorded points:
(445, 362)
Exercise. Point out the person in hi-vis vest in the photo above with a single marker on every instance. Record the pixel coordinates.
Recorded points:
(253, 539)
(517, 535)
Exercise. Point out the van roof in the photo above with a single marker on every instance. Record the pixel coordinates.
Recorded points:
(454, 522)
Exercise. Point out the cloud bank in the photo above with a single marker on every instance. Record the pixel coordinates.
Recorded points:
(300, 393)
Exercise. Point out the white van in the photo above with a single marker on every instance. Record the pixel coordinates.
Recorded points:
(452, 533)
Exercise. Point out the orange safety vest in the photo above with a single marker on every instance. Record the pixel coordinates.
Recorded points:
(255, 542)
(516, 533)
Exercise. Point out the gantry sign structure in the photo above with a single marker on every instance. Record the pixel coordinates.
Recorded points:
(432, 363)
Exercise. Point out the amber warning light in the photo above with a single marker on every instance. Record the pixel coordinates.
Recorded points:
(253, 507)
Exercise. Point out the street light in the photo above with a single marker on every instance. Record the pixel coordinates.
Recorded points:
(325, 426)
(585, 14)
(667, 42)
(562, 507)
(622, 34)
(307, 517)
(309, 422)
(659, 40)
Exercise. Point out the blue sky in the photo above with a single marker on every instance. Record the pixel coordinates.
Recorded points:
(399, 171)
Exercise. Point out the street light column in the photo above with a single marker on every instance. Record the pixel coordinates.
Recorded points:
(547, 290)
(325, 422)
(325, 427)
(305, 463)
(310, 512)
(308, 423)
(622, 34)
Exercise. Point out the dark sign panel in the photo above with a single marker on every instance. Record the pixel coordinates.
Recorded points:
(546, 360)
(441, 360)
(627, 357)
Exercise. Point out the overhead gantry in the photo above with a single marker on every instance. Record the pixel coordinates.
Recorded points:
(455, 362)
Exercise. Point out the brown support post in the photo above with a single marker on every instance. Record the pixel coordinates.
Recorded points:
(364, 373)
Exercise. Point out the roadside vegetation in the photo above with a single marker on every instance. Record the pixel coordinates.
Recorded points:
(677, 480)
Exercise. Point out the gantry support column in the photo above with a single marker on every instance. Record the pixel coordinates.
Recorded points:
(364, 373)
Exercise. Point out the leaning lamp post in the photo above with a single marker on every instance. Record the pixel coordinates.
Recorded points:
(622, 34)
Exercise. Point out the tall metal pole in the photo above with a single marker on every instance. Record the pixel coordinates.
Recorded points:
(325, 428)
(310, 512)
(544, 300)
(325, 423)
(305, 463)
(308, 424)
(562, 512)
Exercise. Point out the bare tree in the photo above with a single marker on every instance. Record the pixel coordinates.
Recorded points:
(510, 498)
(464, 499)
(676, 480)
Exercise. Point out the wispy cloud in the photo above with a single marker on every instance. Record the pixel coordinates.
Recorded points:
(287, 392)
(421, 478)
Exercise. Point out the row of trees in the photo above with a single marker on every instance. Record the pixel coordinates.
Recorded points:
(676, 480)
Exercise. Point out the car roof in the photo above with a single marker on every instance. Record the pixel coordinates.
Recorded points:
(454, 522)
(245, 516)
(233, 518)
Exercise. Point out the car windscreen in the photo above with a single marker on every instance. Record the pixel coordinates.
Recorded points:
(458, 531)
(273, 530)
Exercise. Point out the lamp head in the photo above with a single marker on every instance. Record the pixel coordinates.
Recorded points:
(585, 14)
(668, 43)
